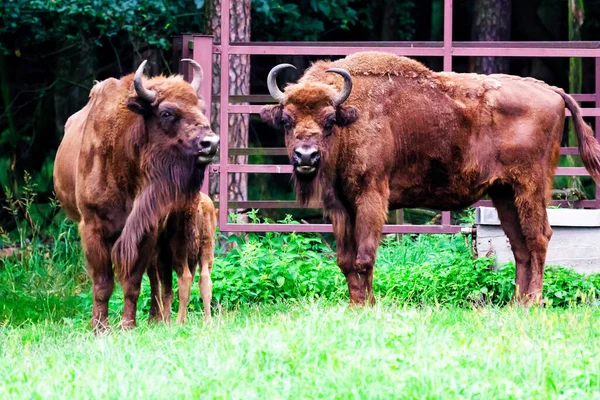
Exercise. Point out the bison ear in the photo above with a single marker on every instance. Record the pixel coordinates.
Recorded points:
(346, 116)
(272, 114)
(138, 106)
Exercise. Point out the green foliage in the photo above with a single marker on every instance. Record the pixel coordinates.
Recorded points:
(149, 21)
(41, 278)
(46, 278)
(310, 19)
(275, 266)
(304, 20)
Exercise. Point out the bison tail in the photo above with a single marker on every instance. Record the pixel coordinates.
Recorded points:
(589, 148)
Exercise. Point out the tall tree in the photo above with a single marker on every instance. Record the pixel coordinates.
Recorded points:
(239, 84)
(491, 21)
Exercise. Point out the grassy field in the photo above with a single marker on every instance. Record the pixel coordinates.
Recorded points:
(314, 350)
(281, 328)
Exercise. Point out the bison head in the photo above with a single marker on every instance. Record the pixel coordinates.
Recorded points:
(309, 111)
(174, 116)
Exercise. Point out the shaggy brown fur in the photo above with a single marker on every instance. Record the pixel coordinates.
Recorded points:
(202, 253)
(122, 166)
(428, 139)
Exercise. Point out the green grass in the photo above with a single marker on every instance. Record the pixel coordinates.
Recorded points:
(281, 328)
(315, 350)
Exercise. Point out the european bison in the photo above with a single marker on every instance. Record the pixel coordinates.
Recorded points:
(375, 131)
(161, 270)
(133, 155)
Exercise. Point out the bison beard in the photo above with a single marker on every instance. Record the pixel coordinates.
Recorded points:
(173, 182)
(307, 187)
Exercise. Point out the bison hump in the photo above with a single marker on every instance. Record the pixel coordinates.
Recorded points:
(379, 63)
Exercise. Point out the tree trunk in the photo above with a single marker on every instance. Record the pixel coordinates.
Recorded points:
(437, 20)
(491, 22)
(385, 24)
(239, 84)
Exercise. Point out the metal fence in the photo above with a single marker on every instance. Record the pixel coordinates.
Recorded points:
(201, 48)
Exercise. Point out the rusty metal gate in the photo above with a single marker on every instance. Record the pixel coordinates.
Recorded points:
(201, 48)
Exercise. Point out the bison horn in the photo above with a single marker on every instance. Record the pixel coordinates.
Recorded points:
(142, 92)
(198, 74)
(274, 90)
(345, 93)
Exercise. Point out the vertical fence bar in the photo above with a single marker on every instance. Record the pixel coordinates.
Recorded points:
(446, 216)
(202, 54)
(186, 52)
(224, 115)
(176, 53)
(448, 35)
(597, 119)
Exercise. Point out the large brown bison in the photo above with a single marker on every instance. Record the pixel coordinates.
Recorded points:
(375, 131)
(160, 271)
(135, 154)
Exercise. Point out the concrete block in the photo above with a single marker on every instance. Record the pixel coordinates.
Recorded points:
(575, 239)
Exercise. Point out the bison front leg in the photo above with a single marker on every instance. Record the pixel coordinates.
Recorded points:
(99, 266)
(370, 217)
(155, 303)
(165, 275)
(343, 230)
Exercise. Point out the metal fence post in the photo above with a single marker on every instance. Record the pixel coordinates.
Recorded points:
(446, 216)
(224, 117)
(203, 54)
(597, 118)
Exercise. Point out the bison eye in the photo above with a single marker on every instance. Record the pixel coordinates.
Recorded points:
(166, 115)
(287, 123)
(329, 123)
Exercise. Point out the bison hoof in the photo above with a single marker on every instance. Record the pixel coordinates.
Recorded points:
(100, 327)
(127, 324)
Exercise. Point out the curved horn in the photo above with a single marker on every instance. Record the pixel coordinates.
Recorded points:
(274, 90)
(142, 92)
(345, 93)
(198, 74)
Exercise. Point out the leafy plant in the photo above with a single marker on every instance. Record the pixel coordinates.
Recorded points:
(44, 277)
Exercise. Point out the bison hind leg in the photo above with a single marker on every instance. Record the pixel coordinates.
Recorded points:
(99, 266)
(525, 222)
(205, 284)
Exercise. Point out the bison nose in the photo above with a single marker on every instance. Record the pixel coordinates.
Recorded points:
(209, 145)
(306, 156)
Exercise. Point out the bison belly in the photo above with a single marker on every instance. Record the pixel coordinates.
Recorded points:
(436, 186)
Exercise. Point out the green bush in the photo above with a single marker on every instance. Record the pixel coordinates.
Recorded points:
(45, 277)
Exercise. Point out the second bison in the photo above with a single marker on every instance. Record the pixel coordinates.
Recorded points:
(374, 131)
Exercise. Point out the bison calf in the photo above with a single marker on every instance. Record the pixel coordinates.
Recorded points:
(135, 154)
(161, 271)
(374, 131)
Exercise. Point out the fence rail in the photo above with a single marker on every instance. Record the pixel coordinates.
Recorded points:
(201, 48)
